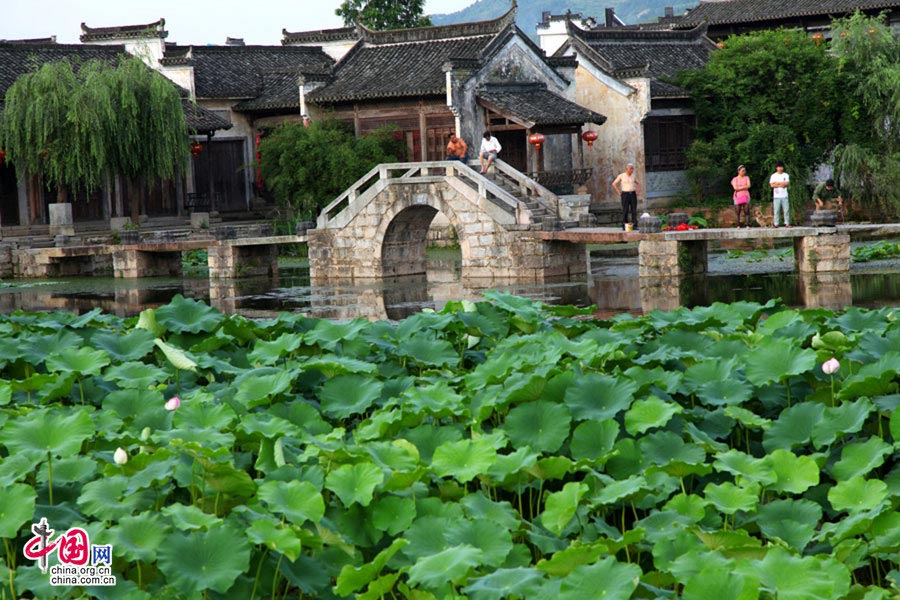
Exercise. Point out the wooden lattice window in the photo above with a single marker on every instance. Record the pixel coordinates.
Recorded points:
(666, 140)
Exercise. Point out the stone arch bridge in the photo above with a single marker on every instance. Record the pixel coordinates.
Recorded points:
(378, 227)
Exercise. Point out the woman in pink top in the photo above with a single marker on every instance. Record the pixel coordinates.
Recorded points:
(741, 185)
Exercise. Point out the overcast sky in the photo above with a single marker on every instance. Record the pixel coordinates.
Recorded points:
(187, 21)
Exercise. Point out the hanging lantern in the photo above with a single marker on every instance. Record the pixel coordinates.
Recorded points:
(590, 136)
(536, 139)
(2, 155)
(196, 149)
(817, 38)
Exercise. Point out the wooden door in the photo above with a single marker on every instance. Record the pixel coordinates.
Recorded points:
(219, 174)
(9, 196)
(514, 152)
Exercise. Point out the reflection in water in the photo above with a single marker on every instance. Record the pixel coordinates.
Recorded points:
(613, 287)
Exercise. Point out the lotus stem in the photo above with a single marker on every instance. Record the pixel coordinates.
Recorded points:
(50, 476)
(832, 396)
(275, 576)
(258, 570)
(11, 564)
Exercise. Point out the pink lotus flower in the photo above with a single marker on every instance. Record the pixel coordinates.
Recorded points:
(174, 403)
(831, 366)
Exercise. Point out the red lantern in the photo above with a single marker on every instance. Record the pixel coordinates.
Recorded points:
(536, 139)
(196, 149)
(590, 136)
(2, 155)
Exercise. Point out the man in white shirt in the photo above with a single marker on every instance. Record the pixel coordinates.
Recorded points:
(490, 148)
(779, 182)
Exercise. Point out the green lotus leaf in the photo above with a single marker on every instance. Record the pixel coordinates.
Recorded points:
(124, 347)
(599, 397)
(72, 469)
(347, 395)
(355, 483)
(706, 371)
(190, 518)
(353, 578)
(542, 426)
(199, 414)
(185, 315)
(716, 583)
(793, 521)
(848, 417)
(204, 560)
(14, 468)
(267, 352)
(77, 360)
(328, 334)
(176, 356)
(857, 494)
(665, 447)
(789, 577)
(393, 514)
(592, 440)
(452, 565)
(428, 350)
(873, 379)
(494, 540)
(330, 366)
(727, 392)
(43, 431)
(607, 579)
(774, 360)
(142, 407)
(745, 466)
(427, 438)
(16, 508)
(259, 387)
(138, 537)
(886, 532)
(134, 375)
(276, 536)
(437, 400)
(616, 490)
(650, 413)
(729, 498)
(860, 458)
(665, 380)
(794, 474)
(689, 505)
(510, 464)
(107, 499)
(747, 418)
(560, 507)
(299, 501)
(37, 347)
(518, 582)
(463, 459)
(575, 555)
(794, 427)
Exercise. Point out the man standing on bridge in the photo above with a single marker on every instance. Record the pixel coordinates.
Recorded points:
(779, 182)
(627, 186)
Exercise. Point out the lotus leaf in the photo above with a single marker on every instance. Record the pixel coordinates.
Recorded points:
(430, 351)
(44, 431)
(16, 507)
(267, 352)
(189, 518)
(299, 501)
(504, 583)
(452, 565)
(592, 440)
(607, 579)
(614, 491)
(437, 400)
(258, 387)
(204, 560)
(793, 521)
(794, 427)
(124, 347)
(857, 494)
(542, 426)
(650, 413)
(346, 395)
(729, 498)
(494, 540)
(794, 474)
(861, 458)
(561, 506)
(745, 466)
(463, 459)
(355, 483)
(599, 397)
(185, 315)
(800, 578)
(847, 418)
(138, 537)
(280, 538)
(393, 514)
(774, 360)
(352, 578)
(176, 356)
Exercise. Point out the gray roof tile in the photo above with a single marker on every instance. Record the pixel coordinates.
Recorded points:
(533, 103)
(715, 12)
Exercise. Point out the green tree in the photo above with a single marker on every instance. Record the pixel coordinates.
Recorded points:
(71, 125)
(766, 96)
(384, 14)
(868, 162)
(305, 168)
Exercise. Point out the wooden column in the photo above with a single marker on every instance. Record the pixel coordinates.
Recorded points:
(423, 133)
(530, 158)
(579, 149)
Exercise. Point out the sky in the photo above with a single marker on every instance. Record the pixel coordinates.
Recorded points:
(187, 21)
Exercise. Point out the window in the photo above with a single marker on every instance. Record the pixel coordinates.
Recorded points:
(665, 141)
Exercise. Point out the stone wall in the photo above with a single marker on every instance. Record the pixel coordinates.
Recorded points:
(663, 258)
(664, 186)
(822, 253)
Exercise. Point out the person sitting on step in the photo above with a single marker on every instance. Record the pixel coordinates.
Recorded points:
(490, 148)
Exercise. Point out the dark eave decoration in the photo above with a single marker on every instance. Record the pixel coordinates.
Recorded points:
(733, 12)
(533, 105)
(201, 121)
(124, 32)
(319, 36)
(424, 34)
(45, 40)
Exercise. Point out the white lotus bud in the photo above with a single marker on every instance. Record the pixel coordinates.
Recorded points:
(120, 456)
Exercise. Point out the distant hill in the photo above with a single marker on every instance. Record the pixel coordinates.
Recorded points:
(529, 12)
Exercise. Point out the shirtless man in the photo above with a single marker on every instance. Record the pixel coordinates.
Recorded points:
(627, 187)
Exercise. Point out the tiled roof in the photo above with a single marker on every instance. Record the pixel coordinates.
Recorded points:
(237, 71)
(45, 40)
(716, 12)
(319, 36)
(656, 54)
(532, 104)
(280, 91)
(410, 62)
(201, 120)
(122, 32)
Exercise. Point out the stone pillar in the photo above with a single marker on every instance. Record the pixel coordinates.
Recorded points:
(826, 290)
(660, 293)
(665, 258)
(227, 261)
(129, 263)
(822, 253)
(61, 221)
(222, 293)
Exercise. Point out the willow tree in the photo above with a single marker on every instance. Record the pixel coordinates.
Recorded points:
(72, 125)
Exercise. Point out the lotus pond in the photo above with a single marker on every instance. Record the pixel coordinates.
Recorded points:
(502, 449)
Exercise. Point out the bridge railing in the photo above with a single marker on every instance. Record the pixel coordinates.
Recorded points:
(376, 180)
(528, 187)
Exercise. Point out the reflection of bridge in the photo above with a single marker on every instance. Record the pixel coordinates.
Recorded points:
(379, 226)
